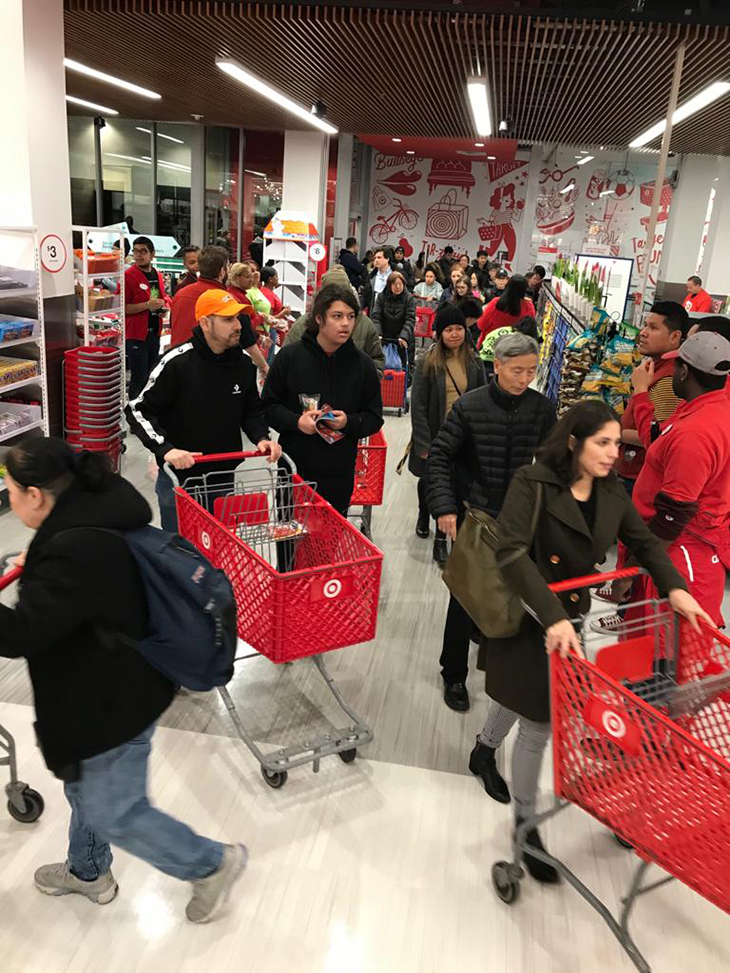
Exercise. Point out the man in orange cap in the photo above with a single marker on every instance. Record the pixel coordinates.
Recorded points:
(199, 398)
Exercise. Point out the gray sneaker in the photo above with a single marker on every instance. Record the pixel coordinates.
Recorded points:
(58, 880)
(211, 893)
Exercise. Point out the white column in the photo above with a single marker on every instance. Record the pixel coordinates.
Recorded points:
(344, 185)
(697, 176)
(305, 175)
(715, 264)
(34, 171)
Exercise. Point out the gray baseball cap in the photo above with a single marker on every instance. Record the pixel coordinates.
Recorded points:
(706, 351)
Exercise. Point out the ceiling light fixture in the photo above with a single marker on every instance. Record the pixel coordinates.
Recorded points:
(479, 145)
(700, 101)
(491, 157)
(91, 104)
(253, 172)
(607, 192)
(159, 135)
(396, 140)
(568, 188)
(586, 158)
(128, 158)
(168, 165)
(410, 152)
(479, 99)
(109, 79)
(236, 71)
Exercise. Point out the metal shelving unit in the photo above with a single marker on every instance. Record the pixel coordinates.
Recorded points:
(20, 265)
(104, 325)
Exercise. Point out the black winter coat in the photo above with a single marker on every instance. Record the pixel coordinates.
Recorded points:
(346, 380)
(394, 315)
(562, 548)
(89, 697)
(428, 407)
(353, 268)
(486, 438)
(405, 267)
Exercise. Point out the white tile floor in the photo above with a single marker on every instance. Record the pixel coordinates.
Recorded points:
(366, 868)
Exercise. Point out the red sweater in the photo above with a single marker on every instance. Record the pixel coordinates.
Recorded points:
(137, 291)
(492, 319)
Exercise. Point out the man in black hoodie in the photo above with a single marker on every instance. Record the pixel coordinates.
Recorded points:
(199, 398)
(353, 268)
(325, 369)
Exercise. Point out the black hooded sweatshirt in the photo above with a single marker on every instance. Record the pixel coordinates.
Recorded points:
(89, 697)
(346, 380)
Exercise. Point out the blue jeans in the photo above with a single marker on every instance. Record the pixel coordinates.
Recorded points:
(109, 805)
(166, 498)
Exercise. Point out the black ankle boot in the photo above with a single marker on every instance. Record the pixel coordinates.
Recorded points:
(482, 763)
(440, 552)
(540, 871)
(423, 523)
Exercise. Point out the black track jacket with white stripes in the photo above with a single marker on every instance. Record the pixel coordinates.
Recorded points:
(199, 401)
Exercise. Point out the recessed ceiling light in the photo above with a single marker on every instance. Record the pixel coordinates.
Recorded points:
(396, 140)
(586, 158)
(700, 101)
(479, 99)
(159, 135)
(91, 104)
(492, 157)
(237, 71)
(109, 79)
(479, 145)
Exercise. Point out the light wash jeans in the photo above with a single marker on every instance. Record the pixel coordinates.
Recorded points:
(109, 805)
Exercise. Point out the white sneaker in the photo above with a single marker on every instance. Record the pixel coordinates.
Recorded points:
(211, 893)
(58, 880)
(609, 623)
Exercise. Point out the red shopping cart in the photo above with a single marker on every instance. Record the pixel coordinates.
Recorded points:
(369, 478)
(24, 804)
(394, 385)
(642, 743)
(306, 581)
(424, 321)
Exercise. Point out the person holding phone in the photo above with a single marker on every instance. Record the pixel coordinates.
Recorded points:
(324, 374)
(583, 509)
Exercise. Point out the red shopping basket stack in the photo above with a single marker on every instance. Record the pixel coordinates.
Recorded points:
(93, 396)
(370, 471)
(424, 322)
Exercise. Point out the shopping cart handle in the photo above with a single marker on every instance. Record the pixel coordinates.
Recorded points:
(7, 579)
(223, 457)
(593, 580)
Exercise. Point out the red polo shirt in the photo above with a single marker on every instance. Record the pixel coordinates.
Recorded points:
(701, 301)
(690, 463)
(137, 291)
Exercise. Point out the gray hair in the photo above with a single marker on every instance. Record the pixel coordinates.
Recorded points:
(514, 345)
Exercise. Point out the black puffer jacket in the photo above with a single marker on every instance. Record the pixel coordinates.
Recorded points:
(394, 315)
(486, 438)
(89, 697)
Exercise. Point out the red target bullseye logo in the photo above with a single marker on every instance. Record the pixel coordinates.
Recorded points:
(332, 588)
(205, 540)
(613, 724)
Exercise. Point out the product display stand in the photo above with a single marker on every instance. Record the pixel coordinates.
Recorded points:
(558, 325)
(99, 286)
(23, 391)
(287, 241)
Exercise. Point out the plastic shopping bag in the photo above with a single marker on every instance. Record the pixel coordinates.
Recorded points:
(392, 358)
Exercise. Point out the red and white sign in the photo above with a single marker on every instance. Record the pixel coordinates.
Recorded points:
(317, 252)
(53, 253)
(613, 722)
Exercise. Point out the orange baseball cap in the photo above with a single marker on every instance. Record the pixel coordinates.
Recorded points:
(218, 302)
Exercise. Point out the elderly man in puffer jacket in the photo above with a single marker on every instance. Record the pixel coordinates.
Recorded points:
(365, 336)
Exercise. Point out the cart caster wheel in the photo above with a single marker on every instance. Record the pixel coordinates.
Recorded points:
(400, 413)
(623, 842)
(274, 778)
(347, 756)
(506, 887)
(33, 807)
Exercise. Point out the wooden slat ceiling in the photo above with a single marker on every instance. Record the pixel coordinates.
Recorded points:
(402, 72)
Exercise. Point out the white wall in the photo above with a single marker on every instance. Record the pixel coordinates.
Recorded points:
(697, 175)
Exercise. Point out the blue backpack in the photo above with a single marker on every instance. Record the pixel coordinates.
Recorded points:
(192, 610)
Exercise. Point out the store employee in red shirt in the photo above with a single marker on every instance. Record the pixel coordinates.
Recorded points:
(697, 299)
(144, 302)
(683, 490)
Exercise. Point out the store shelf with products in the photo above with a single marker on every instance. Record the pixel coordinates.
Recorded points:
(23, 393)
(584, 359)
(288, 241)
(99, 287)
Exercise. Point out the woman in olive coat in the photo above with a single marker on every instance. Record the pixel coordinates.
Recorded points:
(583, 509)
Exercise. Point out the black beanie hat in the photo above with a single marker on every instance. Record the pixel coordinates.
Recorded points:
(447, 315)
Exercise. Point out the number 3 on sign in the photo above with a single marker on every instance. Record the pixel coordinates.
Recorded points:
(53, 253)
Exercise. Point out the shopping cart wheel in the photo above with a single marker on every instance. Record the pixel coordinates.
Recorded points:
(623, 842)
(274, 778)
(506, 887)
(347, 756)
(400, 413)
(33, 807)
